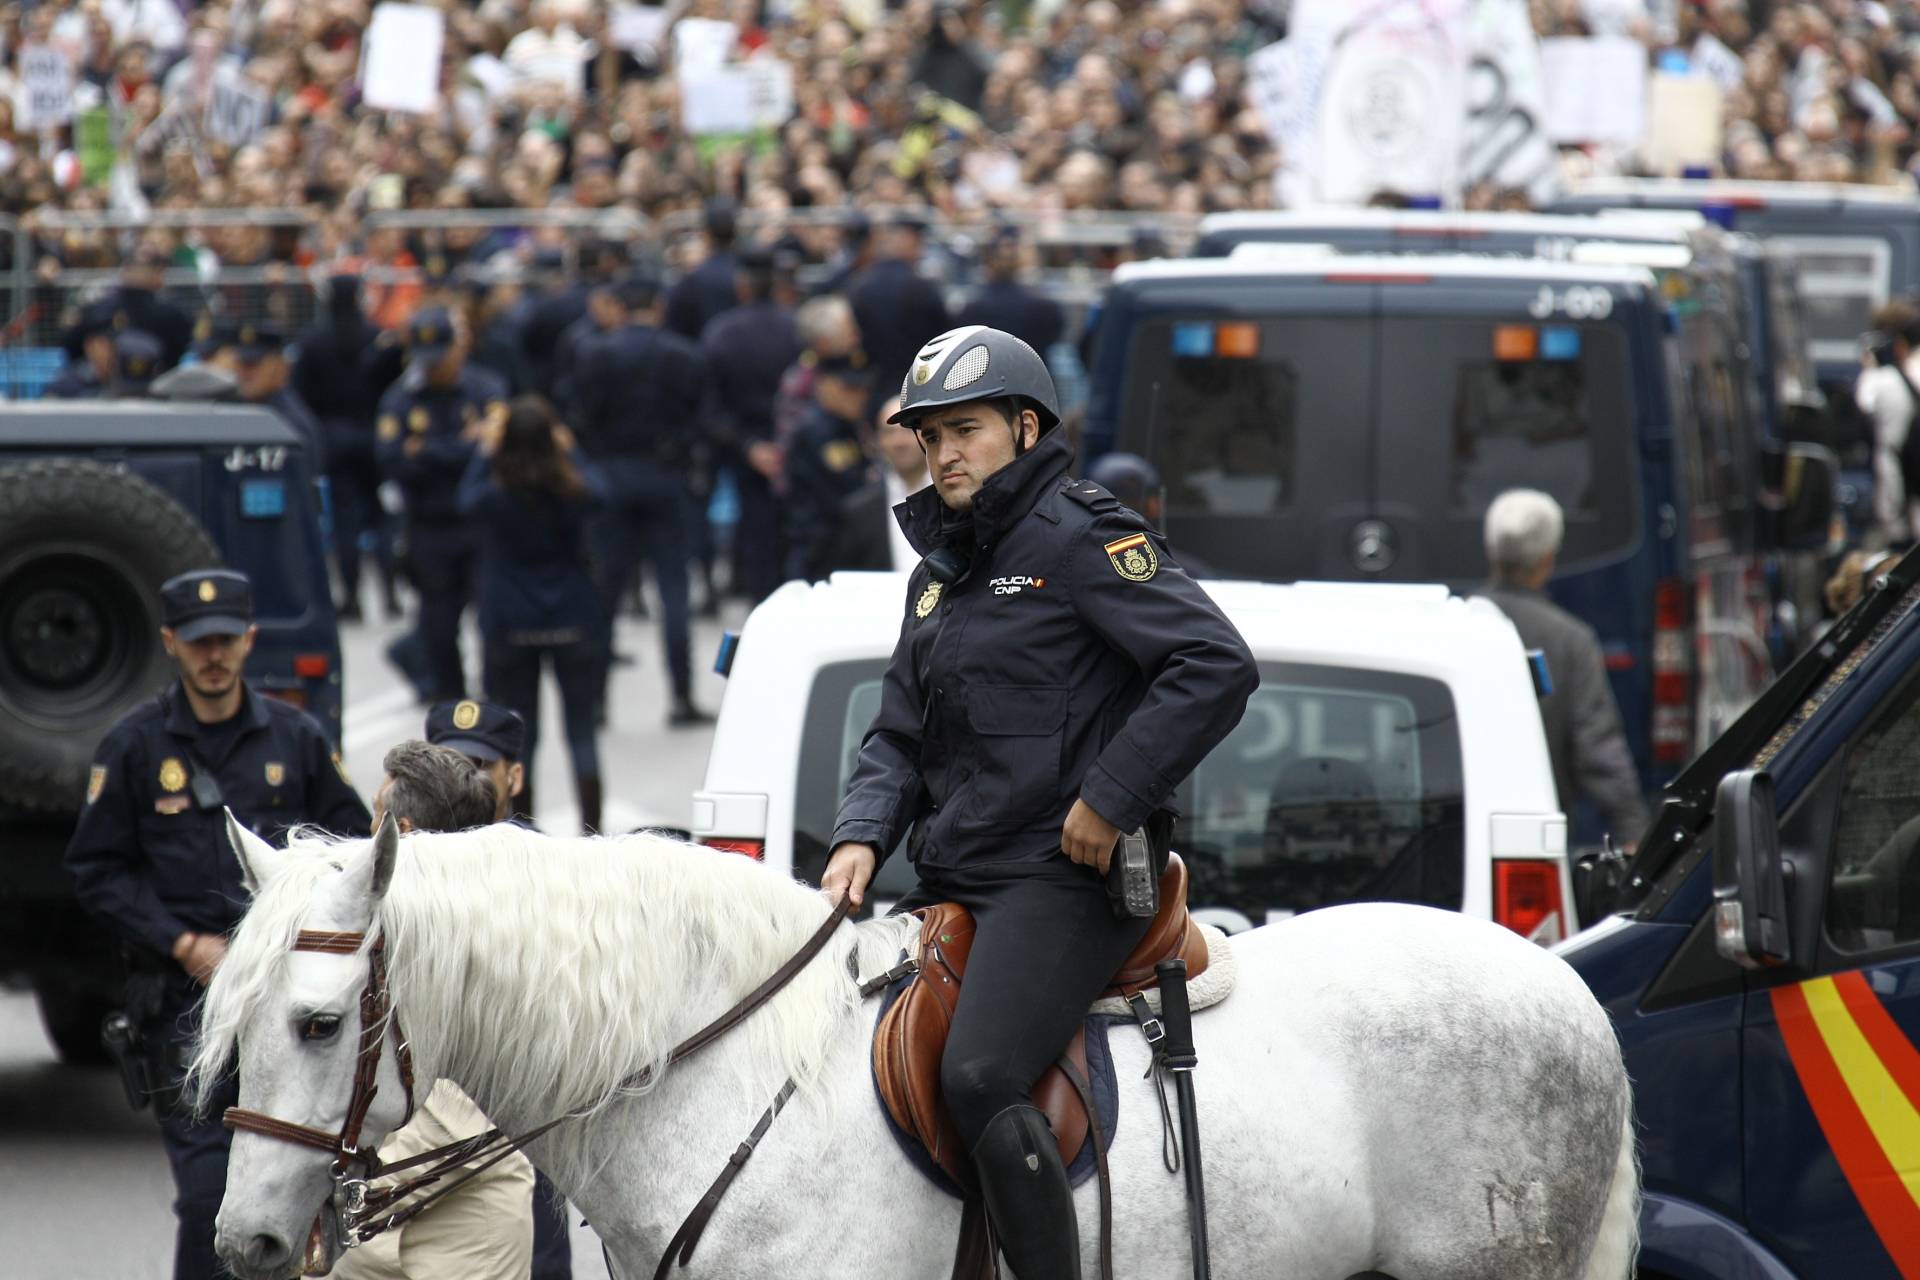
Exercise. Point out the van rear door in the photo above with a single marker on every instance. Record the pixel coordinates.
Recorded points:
(1257, 407)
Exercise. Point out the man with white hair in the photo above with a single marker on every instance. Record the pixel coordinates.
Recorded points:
(1589, 751)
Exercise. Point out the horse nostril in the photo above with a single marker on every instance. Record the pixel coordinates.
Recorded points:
(265, 1252)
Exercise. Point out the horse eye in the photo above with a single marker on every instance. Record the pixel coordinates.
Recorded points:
(321, 1026)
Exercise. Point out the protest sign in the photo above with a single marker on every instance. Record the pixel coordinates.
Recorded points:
(46, 81)
(400, 61)
(1596, 89)
(701, 46)
(236, 109)
(93, 141)
(1684, 125)
(737, 99)
(637, 28)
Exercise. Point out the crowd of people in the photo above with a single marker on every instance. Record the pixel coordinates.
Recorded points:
(531, 451)
(969, 110)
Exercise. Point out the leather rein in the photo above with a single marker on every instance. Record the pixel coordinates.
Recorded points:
(366, 1211)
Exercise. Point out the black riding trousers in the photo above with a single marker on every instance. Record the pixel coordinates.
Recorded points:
(1045, 945)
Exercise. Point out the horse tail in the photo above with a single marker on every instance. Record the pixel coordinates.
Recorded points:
(1617, 1242)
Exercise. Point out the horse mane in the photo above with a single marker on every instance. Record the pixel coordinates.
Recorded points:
(544, 972)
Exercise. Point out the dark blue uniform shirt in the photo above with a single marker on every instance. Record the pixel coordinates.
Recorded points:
(702, 294)
(438, 417)
(825, 465)
(748, 351)
(150, 862)
(76, 381)
(1075, 659)
(533, 554)
(1032, 317)
(640, 394)
(898, 310)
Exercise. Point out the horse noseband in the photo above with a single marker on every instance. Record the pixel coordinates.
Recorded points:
(376, 1014)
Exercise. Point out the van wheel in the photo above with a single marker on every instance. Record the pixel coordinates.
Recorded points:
(84, 548)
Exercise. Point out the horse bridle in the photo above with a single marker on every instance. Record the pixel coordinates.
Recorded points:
(376, 1018)
(360, 1207)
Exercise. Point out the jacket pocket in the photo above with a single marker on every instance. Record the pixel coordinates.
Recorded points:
(1018, 733)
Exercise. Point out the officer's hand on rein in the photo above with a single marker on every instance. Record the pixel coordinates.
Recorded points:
(1089, 838)
(849, 871)
(200, 954)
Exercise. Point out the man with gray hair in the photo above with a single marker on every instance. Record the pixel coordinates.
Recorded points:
(1584, 739)
(484, 1230)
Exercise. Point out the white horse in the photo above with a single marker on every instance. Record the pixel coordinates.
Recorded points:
(1391, 1089)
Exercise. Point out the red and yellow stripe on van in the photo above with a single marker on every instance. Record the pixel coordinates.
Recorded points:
(1862, 1075)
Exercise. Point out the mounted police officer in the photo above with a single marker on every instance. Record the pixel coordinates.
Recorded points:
(429, 425)
(150, 854)
(1057, 677)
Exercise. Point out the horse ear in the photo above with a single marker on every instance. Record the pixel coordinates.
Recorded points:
(258, 859)
(386, 847)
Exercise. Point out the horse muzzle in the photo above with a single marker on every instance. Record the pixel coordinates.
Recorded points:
(267, 1255)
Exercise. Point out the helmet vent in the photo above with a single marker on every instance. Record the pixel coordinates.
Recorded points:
(967, 370)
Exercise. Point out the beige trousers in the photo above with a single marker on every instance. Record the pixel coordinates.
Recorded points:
(483, 1231)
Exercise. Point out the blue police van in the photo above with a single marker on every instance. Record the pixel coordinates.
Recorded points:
(1327, 416)
(100, 502)
(1763, 973)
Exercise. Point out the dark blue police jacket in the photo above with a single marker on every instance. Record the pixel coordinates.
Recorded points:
(153, 864)
(640, 391)
(748, 351)
(825, 465)
(533, 553)
(1028, 315)
(438, 417)
(1074, 660)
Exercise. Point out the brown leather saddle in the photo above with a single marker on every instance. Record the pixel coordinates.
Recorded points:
(912, 1034)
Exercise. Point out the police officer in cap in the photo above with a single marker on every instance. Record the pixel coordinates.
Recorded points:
(495, 739)
(258, 359)
(429, 425)
(1004, 303)
(826, 462)
(642, 393)
(150, 854)
(90, 365)
(1057, 677)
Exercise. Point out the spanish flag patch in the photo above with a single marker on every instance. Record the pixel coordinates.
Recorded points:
(1133, 558)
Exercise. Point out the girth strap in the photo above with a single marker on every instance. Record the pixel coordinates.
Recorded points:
(696, 1222)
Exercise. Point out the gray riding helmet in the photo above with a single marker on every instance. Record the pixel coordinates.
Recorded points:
(974, 362)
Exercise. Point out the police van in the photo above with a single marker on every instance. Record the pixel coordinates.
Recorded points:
(100, 502)
(1392, 751)
(1764, 974)
(1328, 416)
(1763, 281)
(1856, 247)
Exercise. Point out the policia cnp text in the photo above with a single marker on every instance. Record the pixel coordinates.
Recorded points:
(150, 855)
(1057, 677)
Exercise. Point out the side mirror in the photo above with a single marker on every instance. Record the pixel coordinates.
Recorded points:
(1749, 884)
(1796, 504)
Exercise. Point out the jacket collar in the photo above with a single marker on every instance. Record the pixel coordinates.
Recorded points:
(180, 719)
(1003, 500)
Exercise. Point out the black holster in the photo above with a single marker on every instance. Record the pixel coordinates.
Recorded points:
(133, 1035)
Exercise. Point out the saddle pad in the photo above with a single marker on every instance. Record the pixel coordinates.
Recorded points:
(1213, 983)
(1100, 1078)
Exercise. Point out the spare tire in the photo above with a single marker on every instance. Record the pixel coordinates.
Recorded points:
(84, 548)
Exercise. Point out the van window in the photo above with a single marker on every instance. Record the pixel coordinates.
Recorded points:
(843, 703)
(1216, 402)
(1875, 903)
(1843, 280)
(1337, 786)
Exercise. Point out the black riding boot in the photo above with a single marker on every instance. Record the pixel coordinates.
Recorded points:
(588, 789)
(1028, 1199)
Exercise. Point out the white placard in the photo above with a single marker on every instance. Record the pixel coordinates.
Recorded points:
(1507, 143)
(1596, 89)
(400, 62)
(738, 99)
(1720, 62)
(637, 28)
(46, 86)
(701, 46)
(1684, 125)
(1392, 114)
(236, 110)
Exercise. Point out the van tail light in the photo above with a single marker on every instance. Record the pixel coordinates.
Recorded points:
(312, 666)
(1672, 675)
(755, 849)
(1527, 899)
(292, 697)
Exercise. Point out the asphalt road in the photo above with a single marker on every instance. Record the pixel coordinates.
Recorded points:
(84, 1189)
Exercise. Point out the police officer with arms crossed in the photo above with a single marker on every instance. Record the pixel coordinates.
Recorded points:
(1057, 677)
(150, 854)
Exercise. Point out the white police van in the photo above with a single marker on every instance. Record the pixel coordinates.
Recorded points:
(1393, 751)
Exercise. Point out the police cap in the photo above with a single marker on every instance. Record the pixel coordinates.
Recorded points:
(430, 336)
(138, 354)
(253, 342)
(482, 730)
(207, 602)
(974, 362)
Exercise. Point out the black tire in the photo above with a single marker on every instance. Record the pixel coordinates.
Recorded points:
(84, 548)
(72, 1008)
